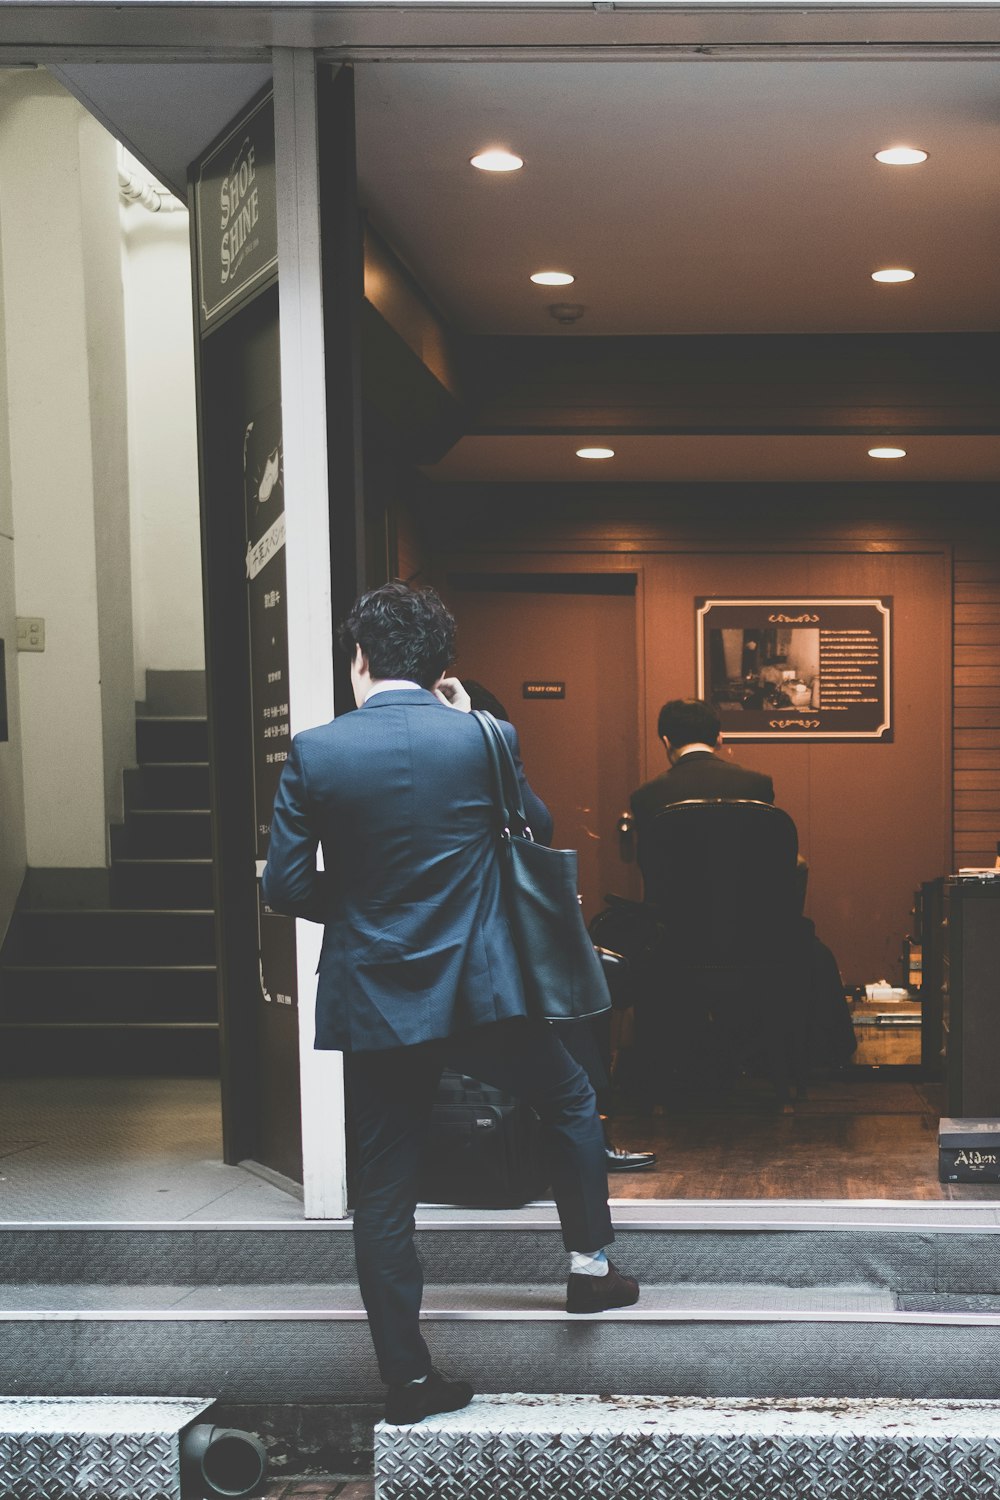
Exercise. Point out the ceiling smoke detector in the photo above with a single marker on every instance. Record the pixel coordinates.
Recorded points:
(566, 312)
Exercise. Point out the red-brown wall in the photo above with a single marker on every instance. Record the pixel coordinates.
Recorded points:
(875, 819)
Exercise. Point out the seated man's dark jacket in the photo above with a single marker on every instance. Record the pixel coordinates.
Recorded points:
(416, 943)
(699, 775)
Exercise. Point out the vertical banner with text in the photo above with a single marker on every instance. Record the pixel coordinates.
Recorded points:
(264, 498)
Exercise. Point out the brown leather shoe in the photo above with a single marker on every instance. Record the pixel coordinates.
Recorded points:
(594, 1294)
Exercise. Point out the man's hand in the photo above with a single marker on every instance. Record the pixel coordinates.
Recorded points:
(449, 690)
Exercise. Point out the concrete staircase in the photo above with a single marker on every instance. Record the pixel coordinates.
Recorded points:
(129, 986)
(754, 1300)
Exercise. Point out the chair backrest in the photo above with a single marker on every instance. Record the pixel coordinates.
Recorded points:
(722, 875)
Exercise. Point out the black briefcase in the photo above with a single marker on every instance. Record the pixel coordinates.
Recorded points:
(483, 1148)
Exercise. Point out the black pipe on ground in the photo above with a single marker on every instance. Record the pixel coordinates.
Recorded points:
(221, 1461)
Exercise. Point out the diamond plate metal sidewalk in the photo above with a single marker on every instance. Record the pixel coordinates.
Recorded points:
(93, 1449)
(525, 1447)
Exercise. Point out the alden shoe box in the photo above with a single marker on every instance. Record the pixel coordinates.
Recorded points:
(969, 1150)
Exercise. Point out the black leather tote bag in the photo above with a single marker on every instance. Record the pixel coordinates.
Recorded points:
(562, 975)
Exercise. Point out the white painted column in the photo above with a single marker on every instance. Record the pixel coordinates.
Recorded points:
(13, 849)
(307, 551)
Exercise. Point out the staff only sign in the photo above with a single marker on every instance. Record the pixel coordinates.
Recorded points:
(235, 214)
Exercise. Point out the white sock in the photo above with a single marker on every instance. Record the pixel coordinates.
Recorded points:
(588, 1262)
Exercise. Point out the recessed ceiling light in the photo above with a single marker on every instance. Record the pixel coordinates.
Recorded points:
(893, 274)
(553, 278)
(886, 452)
(901, 156)
(595, 453)
(496, 161)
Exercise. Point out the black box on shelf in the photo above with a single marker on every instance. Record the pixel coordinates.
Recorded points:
(969, 1150)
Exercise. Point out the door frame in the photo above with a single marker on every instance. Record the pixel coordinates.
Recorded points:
(101, 30)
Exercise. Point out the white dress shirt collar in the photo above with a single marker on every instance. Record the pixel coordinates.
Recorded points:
(393, 685)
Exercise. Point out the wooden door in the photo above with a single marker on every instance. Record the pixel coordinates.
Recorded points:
(580, 750)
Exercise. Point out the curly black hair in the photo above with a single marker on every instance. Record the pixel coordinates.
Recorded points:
(405, 633)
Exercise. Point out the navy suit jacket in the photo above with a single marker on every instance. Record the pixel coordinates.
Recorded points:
(416, 943)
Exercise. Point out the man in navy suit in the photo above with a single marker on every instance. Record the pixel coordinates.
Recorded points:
(418, 971)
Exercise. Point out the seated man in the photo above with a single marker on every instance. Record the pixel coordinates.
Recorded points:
(691, 732)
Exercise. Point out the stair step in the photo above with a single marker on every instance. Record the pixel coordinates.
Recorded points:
(164, 833)
(112, 935)
(168, 784)
(631, 1447)
(949, 1302)
(312, 1343)
(102, 993)
(338, 1302)
(944, 1247)
(171, 738)
(119, 1450)
(164, 1049)
(158, 883)
(174, 692)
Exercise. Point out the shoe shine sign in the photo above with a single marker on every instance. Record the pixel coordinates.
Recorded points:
(235, 213)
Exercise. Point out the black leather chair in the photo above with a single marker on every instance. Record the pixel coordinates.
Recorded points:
(720, 993)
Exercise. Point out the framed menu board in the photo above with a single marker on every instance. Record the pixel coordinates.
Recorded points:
(797, 669)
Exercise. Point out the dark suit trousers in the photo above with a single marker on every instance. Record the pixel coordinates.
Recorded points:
(391, 1096)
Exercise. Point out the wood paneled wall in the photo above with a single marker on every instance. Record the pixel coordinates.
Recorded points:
(965, 518)
(977, 701)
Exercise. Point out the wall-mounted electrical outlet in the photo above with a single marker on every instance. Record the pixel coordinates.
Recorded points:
(30, 633)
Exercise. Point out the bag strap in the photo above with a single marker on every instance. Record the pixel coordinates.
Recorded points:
(506, 788)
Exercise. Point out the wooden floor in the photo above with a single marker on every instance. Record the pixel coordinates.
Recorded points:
(861, 1135)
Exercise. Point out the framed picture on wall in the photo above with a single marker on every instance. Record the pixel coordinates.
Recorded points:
(797, 669)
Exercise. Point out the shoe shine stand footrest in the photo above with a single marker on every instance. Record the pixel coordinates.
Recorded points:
(80, 1448)
(634, 1447)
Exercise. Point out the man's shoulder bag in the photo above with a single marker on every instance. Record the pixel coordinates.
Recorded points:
(562, 975)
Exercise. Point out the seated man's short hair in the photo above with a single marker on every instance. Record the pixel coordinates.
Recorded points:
(688, 721)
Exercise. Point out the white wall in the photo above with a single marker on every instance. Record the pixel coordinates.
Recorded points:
(13, 852)
(64, 356)
(12, 834)
(163, 443)
(99, 528)
(109, 427)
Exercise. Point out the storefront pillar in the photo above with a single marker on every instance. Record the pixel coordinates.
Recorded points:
(307, 546)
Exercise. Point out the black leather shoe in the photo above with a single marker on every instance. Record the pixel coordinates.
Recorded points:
(594, 1294)
(411, 1403)
(621, 1160)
